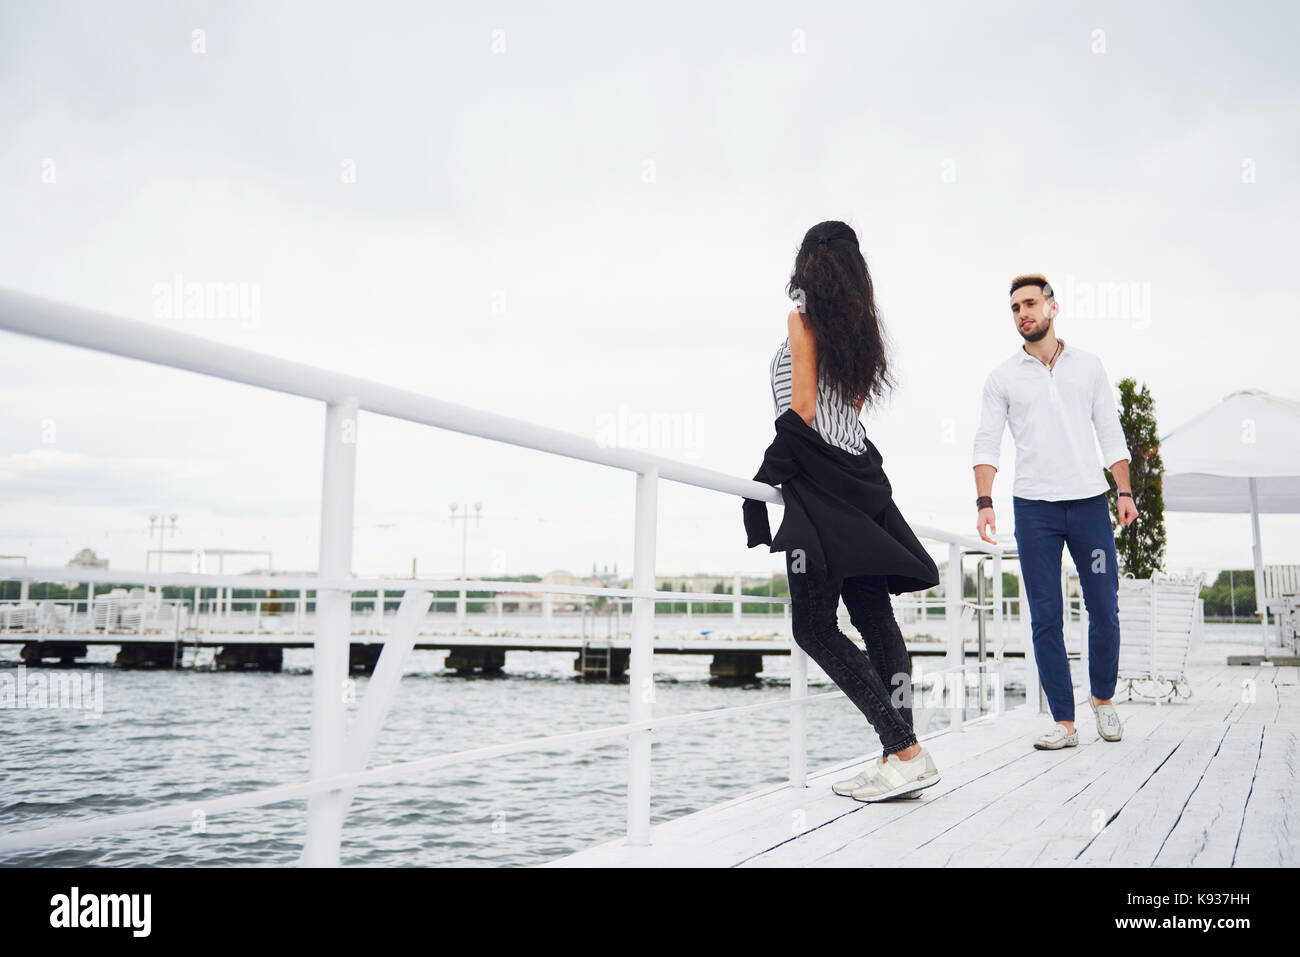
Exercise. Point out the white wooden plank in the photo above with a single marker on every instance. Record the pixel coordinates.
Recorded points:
(1064, 805)
(1134, 837)
(956, 797)
(1270, 826)
(1244, 680)
(1002, 803)
(1206, 831)
(896, 826)
(776, 825)
(729, 833)
(1259, 698)
(1013, 800)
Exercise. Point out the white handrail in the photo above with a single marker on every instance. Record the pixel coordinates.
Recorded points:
(49, 573)
(47, 319)
(345, 396)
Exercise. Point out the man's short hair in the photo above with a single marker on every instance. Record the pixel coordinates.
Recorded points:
(1032, 279)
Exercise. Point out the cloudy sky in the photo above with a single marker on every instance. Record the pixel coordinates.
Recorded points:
(584, 216)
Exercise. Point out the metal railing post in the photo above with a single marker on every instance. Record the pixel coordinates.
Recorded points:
(176, 635)
(956, 646)
(641, 657)
(798, 717)
(981, 629)
(1033, 687)
(1000, 630)
(333, 626)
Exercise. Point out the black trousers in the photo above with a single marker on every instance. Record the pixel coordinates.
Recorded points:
(878, 682)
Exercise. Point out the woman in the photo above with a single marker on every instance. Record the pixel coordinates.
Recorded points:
(842, 533)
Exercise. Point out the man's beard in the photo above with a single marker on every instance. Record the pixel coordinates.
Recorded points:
(1036, 336)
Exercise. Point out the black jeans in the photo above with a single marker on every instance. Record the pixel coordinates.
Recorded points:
(879, 682)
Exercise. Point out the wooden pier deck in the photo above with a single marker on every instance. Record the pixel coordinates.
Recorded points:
(1205, 782)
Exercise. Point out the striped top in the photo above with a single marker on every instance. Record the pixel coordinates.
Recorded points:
(836, 422)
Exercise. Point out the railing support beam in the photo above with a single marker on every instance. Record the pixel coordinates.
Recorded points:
(1000, 630)
(956, 644)
(1033, 688)
(382, 687)
(333, 634)
(641, 687)
(798, 717)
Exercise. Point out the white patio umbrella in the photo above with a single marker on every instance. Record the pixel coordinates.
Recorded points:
(1241, 456)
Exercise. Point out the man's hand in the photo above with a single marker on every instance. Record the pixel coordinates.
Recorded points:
(1126, 510)
(986, 518)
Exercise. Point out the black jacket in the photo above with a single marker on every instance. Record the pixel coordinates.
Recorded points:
(839, 508)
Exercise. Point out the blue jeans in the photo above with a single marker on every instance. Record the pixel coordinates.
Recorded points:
(879, 683)
(1083, 525)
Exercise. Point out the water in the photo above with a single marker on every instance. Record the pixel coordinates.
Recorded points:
(180, 736)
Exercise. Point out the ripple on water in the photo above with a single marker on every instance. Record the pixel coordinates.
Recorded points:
(190, 739)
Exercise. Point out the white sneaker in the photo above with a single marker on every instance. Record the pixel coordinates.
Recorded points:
(847, 788)
(897, 778)
(1056, 738)
(1108, 724)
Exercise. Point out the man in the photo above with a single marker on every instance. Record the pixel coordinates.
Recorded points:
(1053, 397)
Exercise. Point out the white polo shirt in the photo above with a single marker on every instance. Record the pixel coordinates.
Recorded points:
(1052, 413)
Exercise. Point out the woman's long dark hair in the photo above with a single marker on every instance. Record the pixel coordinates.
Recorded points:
(832, 283)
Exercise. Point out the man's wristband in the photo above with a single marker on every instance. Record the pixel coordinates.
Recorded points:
(984, 501)
(1129, 494)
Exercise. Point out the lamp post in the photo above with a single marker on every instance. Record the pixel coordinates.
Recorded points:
(380, 595)
(163, 526)
(462, 606)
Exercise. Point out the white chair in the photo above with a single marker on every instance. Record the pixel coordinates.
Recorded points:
(141, 610)
(106, 611)
(163, 617)
(56, 616)
(1157, 619)
(19, 616)
(1290, 622)
(1281, 594)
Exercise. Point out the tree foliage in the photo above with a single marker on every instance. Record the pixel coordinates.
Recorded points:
(1141, 546)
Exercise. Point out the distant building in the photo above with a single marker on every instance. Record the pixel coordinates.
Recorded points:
(86, 558)
(531, 602)
(707, 583)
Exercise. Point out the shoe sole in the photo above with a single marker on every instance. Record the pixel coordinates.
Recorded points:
(909, 796)
(912, 788)
(1055, 747)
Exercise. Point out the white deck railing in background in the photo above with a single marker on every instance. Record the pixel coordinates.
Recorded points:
(290, 617)
(338, 760)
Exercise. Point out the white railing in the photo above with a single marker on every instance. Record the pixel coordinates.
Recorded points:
(338, 760)
(290, 617)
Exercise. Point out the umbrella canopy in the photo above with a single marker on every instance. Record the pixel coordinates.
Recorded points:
(1241, 456)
